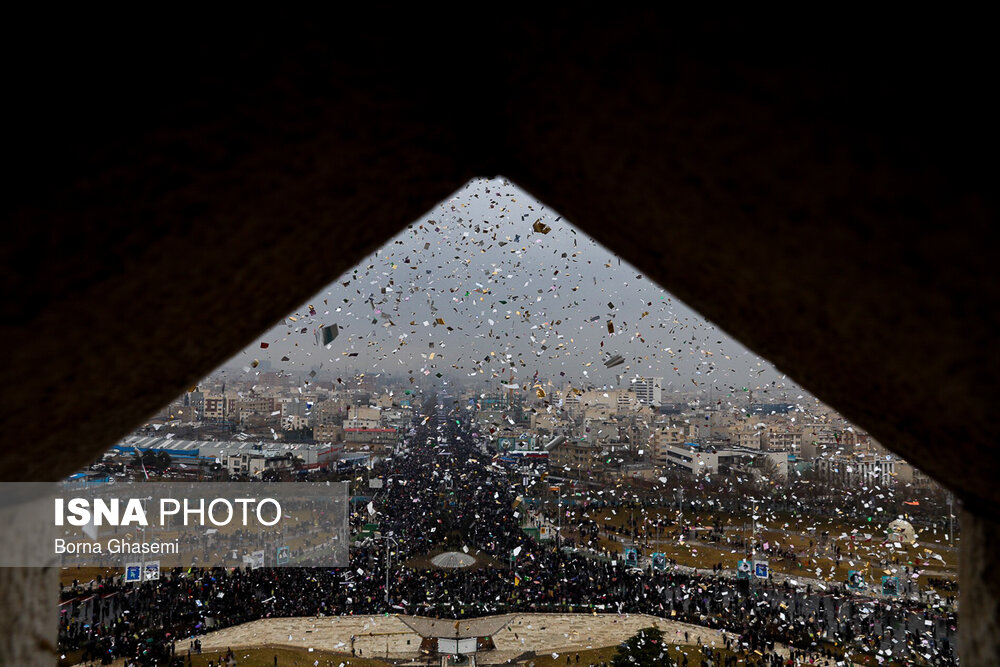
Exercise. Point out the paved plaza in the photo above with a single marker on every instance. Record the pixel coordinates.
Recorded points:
(399, 637)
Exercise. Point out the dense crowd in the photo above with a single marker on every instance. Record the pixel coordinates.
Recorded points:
(446, 490)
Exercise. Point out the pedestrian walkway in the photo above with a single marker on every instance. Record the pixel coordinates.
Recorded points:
(399, 637)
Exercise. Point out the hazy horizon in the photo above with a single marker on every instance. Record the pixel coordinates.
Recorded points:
(501, 288)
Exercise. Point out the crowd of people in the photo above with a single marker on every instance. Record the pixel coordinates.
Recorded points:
(446, 490)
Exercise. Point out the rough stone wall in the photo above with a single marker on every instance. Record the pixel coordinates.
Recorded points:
(979, 639)
(29, 615)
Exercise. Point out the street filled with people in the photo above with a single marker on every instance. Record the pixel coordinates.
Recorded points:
(443, 490)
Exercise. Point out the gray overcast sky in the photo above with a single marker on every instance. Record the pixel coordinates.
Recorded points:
(475, 262)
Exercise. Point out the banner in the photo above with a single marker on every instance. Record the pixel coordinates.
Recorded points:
(631, 557)
(743, 569)
(659, 561)
(152, 571)
(761, 569)
(856, 580)
(254, 560)
(284, 554)
(890, 585)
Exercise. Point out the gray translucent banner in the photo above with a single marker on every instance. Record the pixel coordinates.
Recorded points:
(151, 526)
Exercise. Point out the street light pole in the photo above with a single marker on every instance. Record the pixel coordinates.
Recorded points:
(387, 540)
(680, 516)
(559, 518)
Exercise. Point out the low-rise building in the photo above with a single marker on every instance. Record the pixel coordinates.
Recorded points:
(747, 435)
(691, 458)
(577, 454)
(362, 417)
(857, 468)
(328, 433)
(216, 406)
(783, 438)
(245, 464)
(379, 440)
(673, 433)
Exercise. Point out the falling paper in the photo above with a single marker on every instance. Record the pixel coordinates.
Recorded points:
(326, 335)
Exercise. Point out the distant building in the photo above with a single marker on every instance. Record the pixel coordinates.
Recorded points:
(747, 435)
(673, 434)
(648, 391)
(579, 455)
(858, 468)
(782, 438)
(690, 458)
(196, 399)
(328, 433)
(216, 407)
(361, 417)
(774, 464)
(365, 382)
(818, 440)
(255, 463)
(375, 439)
(329, 412)
(256, 411)
(330, 456)
(245, 464)
(294, 423)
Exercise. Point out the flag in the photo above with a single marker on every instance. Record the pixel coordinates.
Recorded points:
(517, 580)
